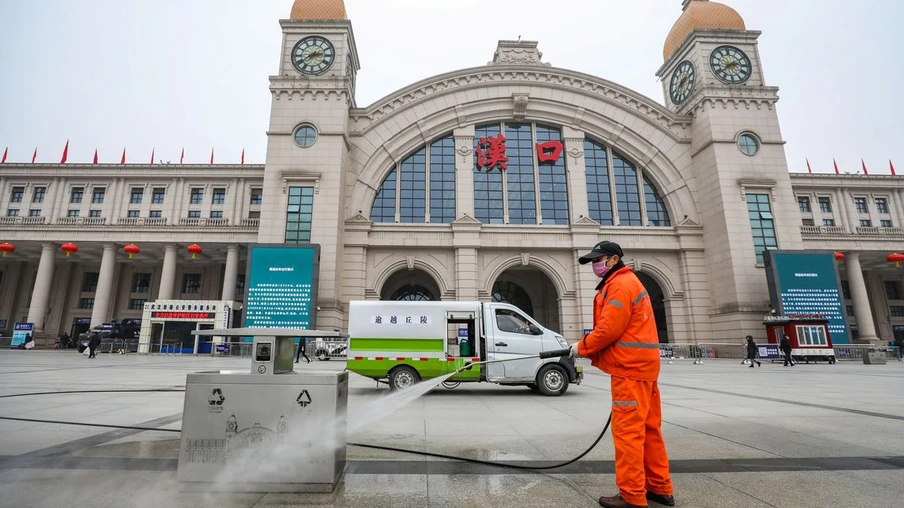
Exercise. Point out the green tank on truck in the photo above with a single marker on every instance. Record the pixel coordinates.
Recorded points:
(405, 342)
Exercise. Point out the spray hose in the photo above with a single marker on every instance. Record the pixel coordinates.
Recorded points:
(524, 467)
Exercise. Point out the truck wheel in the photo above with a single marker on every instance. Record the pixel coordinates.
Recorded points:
(403, 377)
(552, 380)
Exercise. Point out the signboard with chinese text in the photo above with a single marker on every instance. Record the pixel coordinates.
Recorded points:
(282, 286)
(807, 282)
(20, 333)
(183, 315)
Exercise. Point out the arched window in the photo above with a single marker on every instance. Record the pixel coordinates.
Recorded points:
(413, 292)
(607, 170)
(514, 294)
(530, 192)
(409, 182)
(599, 195)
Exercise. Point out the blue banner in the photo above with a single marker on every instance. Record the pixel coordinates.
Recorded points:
(21, 332)
(282, 287)
(807, 283)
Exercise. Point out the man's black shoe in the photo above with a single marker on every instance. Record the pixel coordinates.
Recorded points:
(661, 499)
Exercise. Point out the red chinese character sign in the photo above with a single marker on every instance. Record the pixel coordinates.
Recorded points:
(491, 153)
(549, 151)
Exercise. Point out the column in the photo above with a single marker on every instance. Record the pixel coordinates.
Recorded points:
(168, 276)
(865, 327)
(40, 297)
(104, 293)
(464, 172)
(232, 272)
(575, 166)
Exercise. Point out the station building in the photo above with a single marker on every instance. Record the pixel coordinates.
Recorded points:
(478, 184)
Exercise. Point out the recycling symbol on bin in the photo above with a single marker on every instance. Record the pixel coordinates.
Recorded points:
(216, 397)
(304, 399)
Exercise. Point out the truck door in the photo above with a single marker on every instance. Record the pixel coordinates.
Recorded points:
(514, 336)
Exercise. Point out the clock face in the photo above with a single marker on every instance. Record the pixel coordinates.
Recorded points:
(313, 55)
(682, 82)
(730, 65)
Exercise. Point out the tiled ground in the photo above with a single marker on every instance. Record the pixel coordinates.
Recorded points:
(814, 435)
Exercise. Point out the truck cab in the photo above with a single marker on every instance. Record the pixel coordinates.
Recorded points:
(406, 342)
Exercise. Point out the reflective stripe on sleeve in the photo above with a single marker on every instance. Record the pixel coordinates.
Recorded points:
(616, 303)
(640, 297)
(624, 403)
(639, 345)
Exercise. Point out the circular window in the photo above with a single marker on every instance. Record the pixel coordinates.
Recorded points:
(748, 144)
(305, 136)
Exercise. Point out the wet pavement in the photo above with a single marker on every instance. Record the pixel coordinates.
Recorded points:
(812, 435)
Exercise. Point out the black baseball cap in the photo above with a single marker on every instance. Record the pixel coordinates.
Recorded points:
(602, 249)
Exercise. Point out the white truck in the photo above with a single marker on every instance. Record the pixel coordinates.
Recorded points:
(404, 342)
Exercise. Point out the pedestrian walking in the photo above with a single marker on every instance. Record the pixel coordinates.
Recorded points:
(624, 343)
(752, 352)
(785, 346)
(93, 344)
(302, 345)
(899, 343)
(64, 341)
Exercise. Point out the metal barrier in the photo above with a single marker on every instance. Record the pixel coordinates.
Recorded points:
(854, 352)
(237, 349)
(700, 352)
(118, 346)
(325, 350)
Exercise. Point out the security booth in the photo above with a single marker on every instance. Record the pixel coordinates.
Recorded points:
(808, 334)
(167, 325)
(268, 428)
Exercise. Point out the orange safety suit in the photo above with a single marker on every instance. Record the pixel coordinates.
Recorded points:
(624, 343)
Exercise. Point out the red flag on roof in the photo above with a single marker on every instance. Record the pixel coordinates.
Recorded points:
(836, 167)
(5, 153)
(243, 156)
(34, 156)
(211, 156)
(809, 169)
(182, 157)
(865, 172)
(153, 150)
(123, 160)
(95, 155)
(892, 166)
(65, 153)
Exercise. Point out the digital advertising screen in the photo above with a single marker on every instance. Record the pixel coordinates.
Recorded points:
(281, 286)
(807, 282)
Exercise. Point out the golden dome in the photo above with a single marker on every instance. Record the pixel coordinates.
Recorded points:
(318, 9)
(701, 15)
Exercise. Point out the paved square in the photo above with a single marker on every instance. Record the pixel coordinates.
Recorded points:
(812, 435)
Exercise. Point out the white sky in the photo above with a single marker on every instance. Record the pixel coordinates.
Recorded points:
(164, 74)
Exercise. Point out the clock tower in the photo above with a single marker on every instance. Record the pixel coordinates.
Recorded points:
(308, 149)
(713, 73)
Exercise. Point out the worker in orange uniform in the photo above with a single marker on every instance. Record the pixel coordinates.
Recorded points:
(624, 343)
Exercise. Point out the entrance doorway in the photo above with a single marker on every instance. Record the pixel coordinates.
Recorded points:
(177, 335)
(657, 298)
(530, 290)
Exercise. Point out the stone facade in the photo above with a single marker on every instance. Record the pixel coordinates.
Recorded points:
(702, 267)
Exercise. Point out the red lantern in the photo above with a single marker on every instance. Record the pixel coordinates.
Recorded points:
(896, 258)
(131, 250)
(7, 248)
(194, 250)
(839, 256)
(69, 249)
